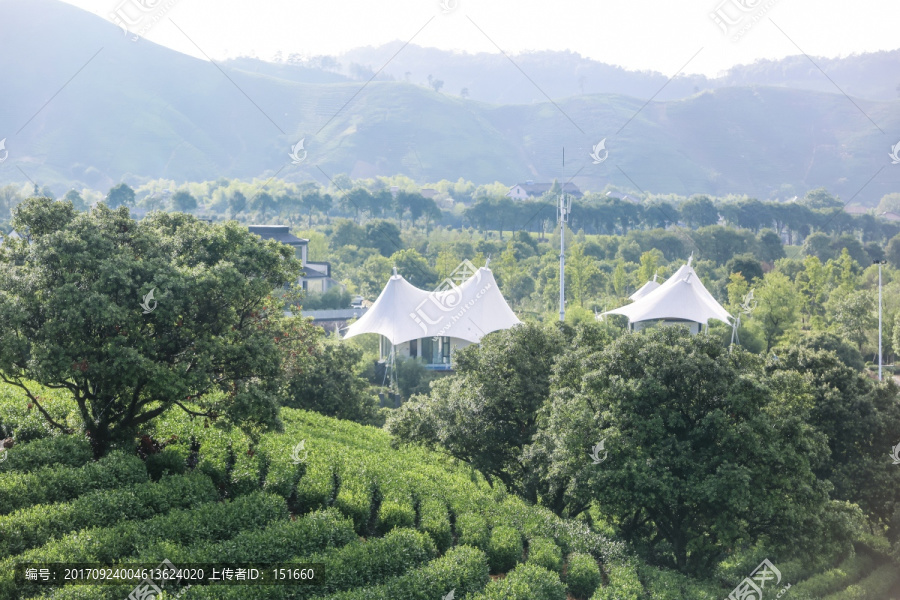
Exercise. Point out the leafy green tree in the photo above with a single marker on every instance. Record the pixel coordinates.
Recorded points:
(583, 274)
(76, 199)
(893, 252)
(120, 195)
(698, 455)
(486, 412)
(237, 202)
(770, 246)
(347, 233)
(183, 201)
(132, 319)
(819, 198)
(384, 236)
(699, 211)
(776, 309)
(324, 381)
(860, 421)
(854, 316)
(414, 268)
(812, 285)
(746, 265)
(649, 266)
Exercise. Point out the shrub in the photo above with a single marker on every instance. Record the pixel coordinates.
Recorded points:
(582, 576)
(504, 549)
(167, 462)
(544, 552)
(58, 484)
(876, 585)
(393, 514)
(33, 526)
(832, 580)
(433, 520)
(463, 569)
(623, 584)
(67, 450)
(472, 530)
(525, 582)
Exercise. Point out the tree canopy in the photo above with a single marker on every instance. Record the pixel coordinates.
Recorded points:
(135, 318)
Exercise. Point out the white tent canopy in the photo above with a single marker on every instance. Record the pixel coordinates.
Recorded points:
(645, 289)
(683, 297)
(468, 312)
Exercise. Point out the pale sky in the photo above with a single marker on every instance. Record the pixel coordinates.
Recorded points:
(659, 35)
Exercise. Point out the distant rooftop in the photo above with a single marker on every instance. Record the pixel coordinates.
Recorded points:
(279, 233)
(539, 189)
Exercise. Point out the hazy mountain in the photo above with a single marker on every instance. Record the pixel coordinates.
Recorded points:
(135, 111)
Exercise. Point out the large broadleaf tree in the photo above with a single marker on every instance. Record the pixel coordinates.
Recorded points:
(134, 318)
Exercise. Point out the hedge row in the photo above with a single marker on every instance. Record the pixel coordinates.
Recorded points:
(355, 565)
(672, 585)
(525, 582)
(58, 484)
(463, 570)
(833, 580)
(876, 585)
(67, 450)
(33, 526)
(126, 540)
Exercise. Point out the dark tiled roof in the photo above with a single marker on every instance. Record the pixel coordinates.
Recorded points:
(538, 189)
(279, 233)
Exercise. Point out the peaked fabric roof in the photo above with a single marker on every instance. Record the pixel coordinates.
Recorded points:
(469, 311)
(683, 296)
(645, 289)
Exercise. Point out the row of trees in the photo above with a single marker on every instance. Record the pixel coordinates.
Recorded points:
(687, 450)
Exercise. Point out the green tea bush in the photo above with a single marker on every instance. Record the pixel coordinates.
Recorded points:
(583, 576)
(393, 514)
(30, 527)
(671, 585)
(434, 520)
(504, 549)
(58, 484)
(472, 530)
(168, 462)
(463, 569)
(525, 582)
(833, 580)
(876, 585)
(623, 584)
(66, 450)
(544, 552)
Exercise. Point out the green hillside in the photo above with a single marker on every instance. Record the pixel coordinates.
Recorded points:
(137, 111)
(382, 522)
